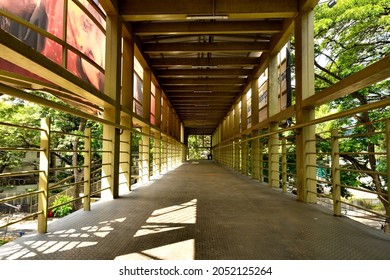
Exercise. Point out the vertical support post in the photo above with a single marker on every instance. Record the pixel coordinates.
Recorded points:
(273, 157)
(261, 161)
(244, 155)
(87, 170)
(146, 93)
(284, 165)
(125, 155)
(336, 173)
(157, 154)
(164, 154)
(306, 157)
(273, 109)
(127, 103)
(255, 133)
(43, 184)
(112, 88)
(145, 155)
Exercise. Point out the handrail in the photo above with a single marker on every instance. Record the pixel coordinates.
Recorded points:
(33, 215)
(10, 198)
(18, 173)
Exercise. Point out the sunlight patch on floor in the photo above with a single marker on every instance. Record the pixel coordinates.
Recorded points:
(183, 250)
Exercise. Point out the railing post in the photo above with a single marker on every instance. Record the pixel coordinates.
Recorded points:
(43, 184)
(284, 165)
(87, 170)
(255, 156)
(336, 173)
(261, 161)
(273, 157)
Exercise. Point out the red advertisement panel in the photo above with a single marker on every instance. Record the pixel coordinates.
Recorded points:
(83, 34)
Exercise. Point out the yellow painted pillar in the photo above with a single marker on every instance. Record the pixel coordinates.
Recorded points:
(145, 148)
(43, 183)
(125, 155)
(261, 161)
(112, 88)
(255, 120)
(305, 143)
(255, 156)
(336, 173)
(284, 164)
(273, 109)
(126, 118)
(157, 154)
(87, 170)
(244, 155)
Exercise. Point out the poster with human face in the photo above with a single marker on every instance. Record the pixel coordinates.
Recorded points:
(80, 48)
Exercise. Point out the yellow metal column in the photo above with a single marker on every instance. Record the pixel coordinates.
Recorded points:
(255, 156)
(87, 170)
(126, 116)
(336, 173)
(145, 148)
(43, 183)
(112, 88)
(163, 154)
(244, 155)
(306, 158)
(255, 120)
(273, 109)
(157, 154)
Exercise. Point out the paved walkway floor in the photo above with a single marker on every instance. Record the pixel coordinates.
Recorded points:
(202, 211)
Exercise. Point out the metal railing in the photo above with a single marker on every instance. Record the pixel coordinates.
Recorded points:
(332, 167)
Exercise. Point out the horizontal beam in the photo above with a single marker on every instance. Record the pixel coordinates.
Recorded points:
(201, 81)
(204, 62)
(148, 10)
(202, 88)
(372, 74)
(200, 100)
(233, 72)
(211, 28)
(201, 94)
(206, 47)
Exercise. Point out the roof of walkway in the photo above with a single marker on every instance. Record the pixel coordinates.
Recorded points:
(205, 53)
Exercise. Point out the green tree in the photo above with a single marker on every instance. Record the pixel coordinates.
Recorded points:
(348, 37)
(20, 112)
(199, 146)
(16, 111)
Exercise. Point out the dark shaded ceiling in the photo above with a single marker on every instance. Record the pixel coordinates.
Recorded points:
(204, 53)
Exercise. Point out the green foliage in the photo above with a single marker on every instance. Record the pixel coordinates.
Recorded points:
(349, 37)
(199, 146)
(16, 111)
(65, 209)
(2, 242)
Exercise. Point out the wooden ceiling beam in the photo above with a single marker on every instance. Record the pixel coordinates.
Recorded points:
(147, 10)
(234, 72)
(202, 94)
(202, 88)
(210, 28)
(153, 48)
(204, 62)
(201, 81)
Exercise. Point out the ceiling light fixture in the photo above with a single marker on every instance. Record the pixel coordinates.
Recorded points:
(200, 17)
(203, 91)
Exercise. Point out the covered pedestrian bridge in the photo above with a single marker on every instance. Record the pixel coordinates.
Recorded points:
(152, 73)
